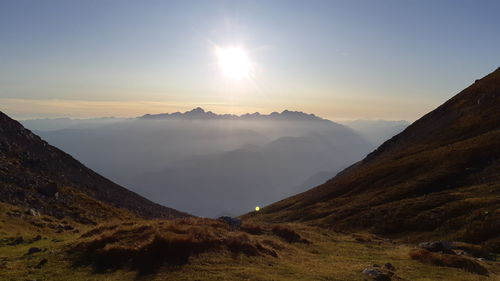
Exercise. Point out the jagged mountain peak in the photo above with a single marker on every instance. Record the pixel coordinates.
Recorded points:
(200, 113)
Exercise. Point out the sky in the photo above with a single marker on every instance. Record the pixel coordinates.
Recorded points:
(387, 59)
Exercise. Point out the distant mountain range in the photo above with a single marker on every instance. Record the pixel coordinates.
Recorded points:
(439, 178)
(200, 114)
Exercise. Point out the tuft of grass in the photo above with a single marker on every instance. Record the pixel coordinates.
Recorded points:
(147, 246)
(288, 234)
(252, 228)
(98, 230)
(242, 243)
(446, 260)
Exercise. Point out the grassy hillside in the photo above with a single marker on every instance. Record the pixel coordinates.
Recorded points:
(438, 178)
(203, 249)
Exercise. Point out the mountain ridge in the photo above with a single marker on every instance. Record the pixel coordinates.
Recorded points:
(200, 113)
(34, 174)
(438, 178)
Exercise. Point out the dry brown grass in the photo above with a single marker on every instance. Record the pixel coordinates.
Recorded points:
(446, 260)
(288, 234)
(148, 245)
(252, 228)
(330, 256)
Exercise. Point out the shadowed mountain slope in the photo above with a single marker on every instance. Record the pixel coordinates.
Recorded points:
(438, 178)
(37, 175)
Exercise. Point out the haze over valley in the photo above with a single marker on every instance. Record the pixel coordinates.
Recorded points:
(209, 164)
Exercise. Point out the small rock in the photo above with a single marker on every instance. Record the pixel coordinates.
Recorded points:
(38, 237)
(389, 266)
(376, 274)
(33, 212)
(41, 263)
(437, 246)
(371, 272)
(33, 250)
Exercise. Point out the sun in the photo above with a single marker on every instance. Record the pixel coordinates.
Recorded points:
(234, 62)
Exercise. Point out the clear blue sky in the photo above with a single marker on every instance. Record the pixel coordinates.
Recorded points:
(393, 59)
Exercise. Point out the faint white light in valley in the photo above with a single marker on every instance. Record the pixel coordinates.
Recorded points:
(234, 62)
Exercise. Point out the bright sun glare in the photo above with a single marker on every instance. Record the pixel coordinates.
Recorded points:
(234, 62)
